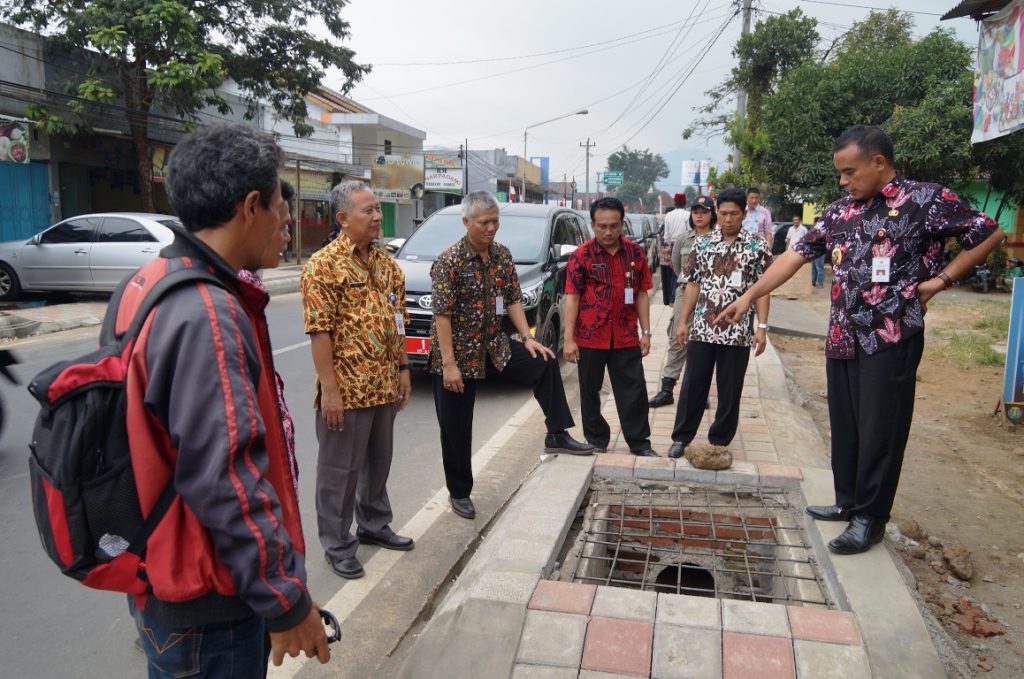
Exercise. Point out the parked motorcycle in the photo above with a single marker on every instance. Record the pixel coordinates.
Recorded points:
(981, 278)
(7, 359)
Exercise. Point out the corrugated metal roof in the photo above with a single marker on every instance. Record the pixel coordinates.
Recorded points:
(976, 9)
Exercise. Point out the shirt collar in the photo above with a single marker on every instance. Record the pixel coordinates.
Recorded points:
(895, 185)
(348, 246)
(596, 247)
(470, 252)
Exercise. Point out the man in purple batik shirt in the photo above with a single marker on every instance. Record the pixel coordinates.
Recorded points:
(885, 240)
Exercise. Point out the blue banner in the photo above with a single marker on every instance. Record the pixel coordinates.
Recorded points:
(1013, 380)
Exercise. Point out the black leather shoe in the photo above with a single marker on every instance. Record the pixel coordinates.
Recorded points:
(829, 512)
(663, 397)
(561, 442)
(463, 507)
(349, 569)
(863, 532)
(645, 452)
(676, 450)
(390, 541)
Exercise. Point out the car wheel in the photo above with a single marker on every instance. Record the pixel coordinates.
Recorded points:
(10, 286)
(549, 335)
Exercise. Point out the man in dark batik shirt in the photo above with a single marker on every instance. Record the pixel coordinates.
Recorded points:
(885, 240)
(473, 287)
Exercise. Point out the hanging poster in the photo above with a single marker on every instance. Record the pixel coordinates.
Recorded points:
(999, 75)
(13, 142)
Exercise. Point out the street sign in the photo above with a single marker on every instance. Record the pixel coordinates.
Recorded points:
(612, 178)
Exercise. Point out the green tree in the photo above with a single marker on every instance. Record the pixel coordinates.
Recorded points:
(630, 192)
(642, 167)
(764, 56)
(170, 55)
(919, 92)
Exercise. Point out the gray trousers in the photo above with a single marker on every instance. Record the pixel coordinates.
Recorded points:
(351, 477)
(675, 357)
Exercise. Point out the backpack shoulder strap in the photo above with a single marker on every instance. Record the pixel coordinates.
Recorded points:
(162, 287)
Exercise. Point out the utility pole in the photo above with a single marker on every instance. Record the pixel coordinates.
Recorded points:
(298, 202)
(741, 96)
(588, 146)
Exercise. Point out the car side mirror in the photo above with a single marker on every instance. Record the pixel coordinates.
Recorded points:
(34, 240)
(565, 251)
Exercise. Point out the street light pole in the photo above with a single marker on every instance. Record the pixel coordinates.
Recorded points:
(526, 158)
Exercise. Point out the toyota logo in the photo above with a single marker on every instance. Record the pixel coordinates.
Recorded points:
(424, 302)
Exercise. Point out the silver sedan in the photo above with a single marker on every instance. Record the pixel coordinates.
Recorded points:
(90, 253)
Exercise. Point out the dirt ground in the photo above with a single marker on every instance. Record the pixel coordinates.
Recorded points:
(962, 487)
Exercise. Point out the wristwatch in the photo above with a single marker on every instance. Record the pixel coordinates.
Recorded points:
(646, 333)
(762, 326)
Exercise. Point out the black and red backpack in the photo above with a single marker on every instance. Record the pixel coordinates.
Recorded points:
(84, 496)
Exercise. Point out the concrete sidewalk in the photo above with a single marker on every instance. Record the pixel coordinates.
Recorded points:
(32, 318)
(511, 613)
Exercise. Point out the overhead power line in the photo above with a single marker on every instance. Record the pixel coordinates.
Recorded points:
(880, 9)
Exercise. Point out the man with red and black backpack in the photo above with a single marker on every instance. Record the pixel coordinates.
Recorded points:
(226, 564)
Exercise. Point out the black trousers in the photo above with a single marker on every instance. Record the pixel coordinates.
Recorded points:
(626, 370)
(870, 408)
(668, 285)
(730, 366)
(455, 412)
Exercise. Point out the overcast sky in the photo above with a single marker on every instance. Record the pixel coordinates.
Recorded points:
(534, 60)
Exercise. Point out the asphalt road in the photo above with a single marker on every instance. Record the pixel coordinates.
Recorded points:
(54, 627)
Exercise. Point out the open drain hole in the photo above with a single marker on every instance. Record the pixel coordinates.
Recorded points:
(738, 543)
(686, 578)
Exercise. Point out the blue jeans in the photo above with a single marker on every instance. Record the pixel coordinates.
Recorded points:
(818, 271)
(226, 650)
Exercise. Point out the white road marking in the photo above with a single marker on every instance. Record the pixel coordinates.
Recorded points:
(353, 592)
(291, 347)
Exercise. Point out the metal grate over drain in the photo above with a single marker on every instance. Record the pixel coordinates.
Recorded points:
(732, 544)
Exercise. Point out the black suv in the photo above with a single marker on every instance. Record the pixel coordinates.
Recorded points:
(541, 238)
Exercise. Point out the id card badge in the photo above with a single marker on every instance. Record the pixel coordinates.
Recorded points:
(736, 279)
(499, 305)
(629, 295)
(880, 269)
(399, 323)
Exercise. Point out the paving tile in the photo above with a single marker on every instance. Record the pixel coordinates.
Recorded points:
(591, 674)
(692, 611)
(622, 646)
(686, 653)
(817, 660)
(748, 656)
(739, 472)
(687, 472)
(752, 617)
(615, 465)
(759, 446)
(659, 468)
(563, 597)
(784, 475)
(552, 639)
(758, 456)
(619, 602)
(757, 436)
(521, 671)
(820, 624)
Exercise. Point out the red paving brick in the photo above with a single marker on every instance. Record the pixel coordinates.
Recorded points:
(617, 460)
(750, 656)
(564, 597)
(819, 624)
(786, 471)
(614, 645)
